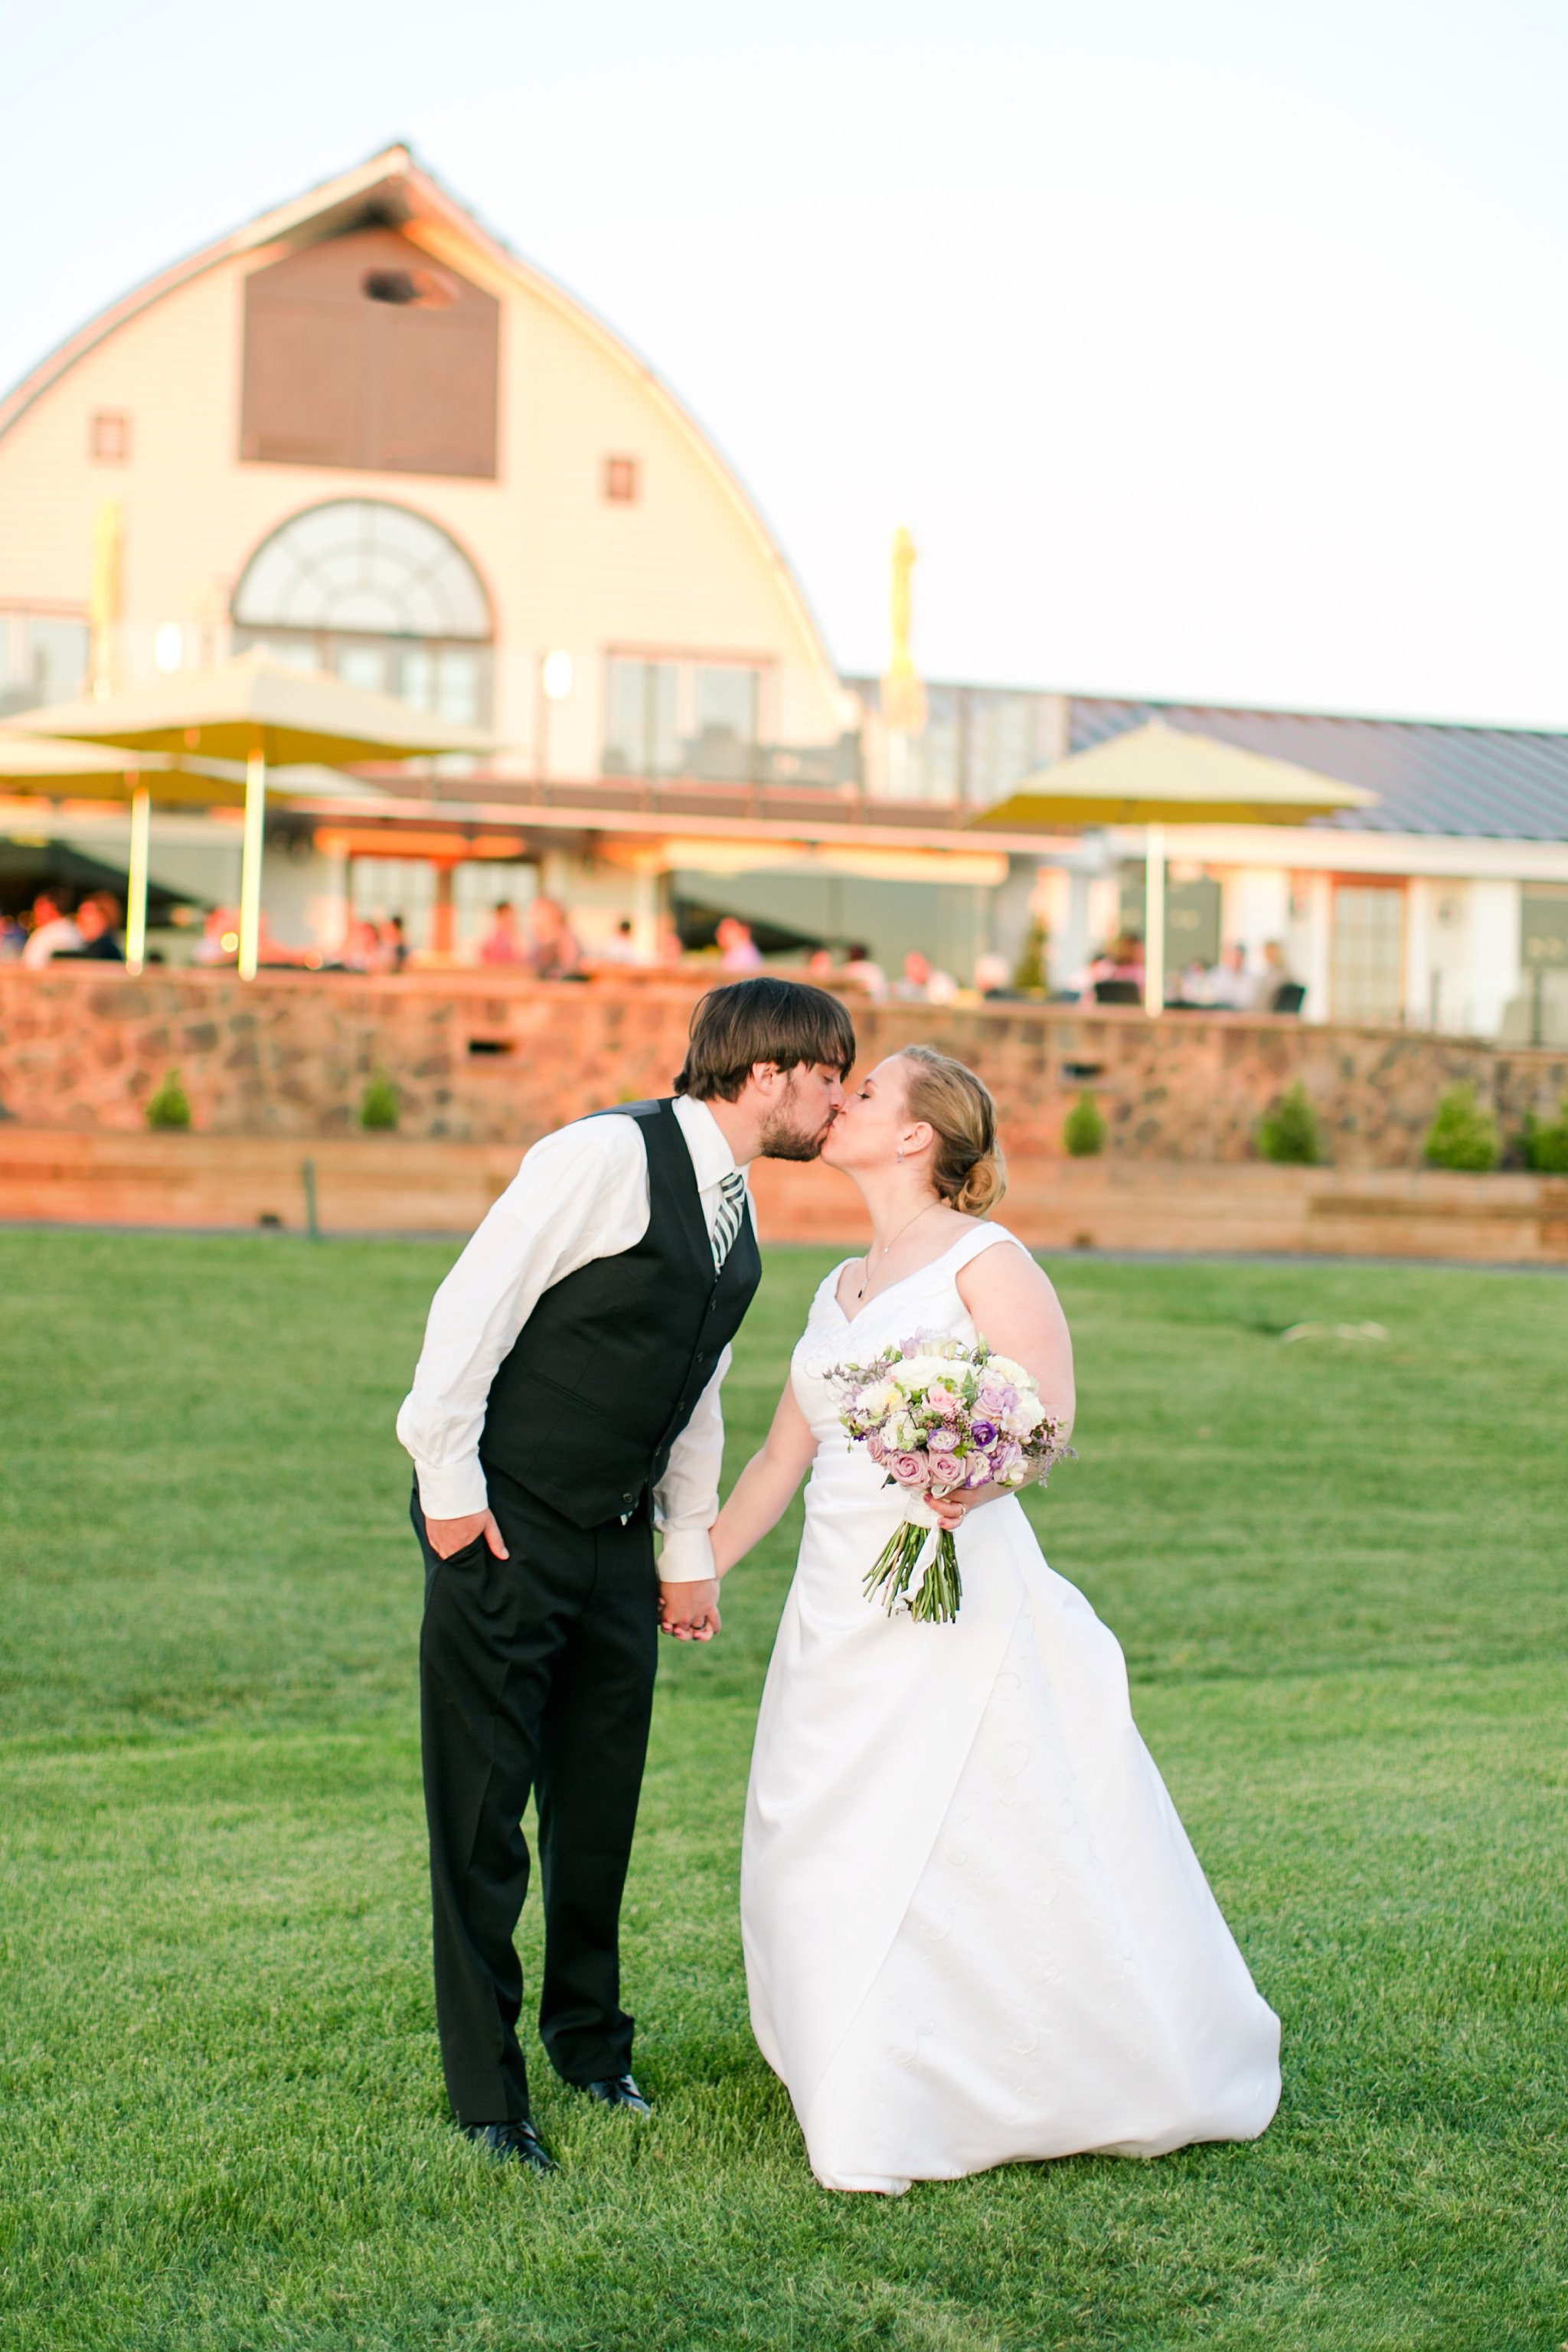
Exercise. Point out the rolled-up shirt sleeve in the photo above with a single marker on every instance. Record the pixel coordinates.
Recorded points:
(580, 1195)
(685, 1500)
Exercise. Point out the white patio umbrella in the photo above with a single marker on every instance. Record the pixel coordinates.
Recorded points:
(1155, 776)
(259, 711)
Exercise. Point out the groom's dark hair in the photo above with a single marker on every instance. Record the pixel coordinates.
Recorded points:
(762, 1020)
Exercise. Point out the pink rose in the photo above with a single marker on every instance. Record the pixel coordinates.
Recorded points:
(991, 1401)
(909, 1469)
(875, 1447)
(946, 1470)
(942, 1400)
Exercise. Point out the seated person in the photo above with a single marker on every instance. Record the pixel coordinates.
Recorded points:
(98, 920)
(53, 932)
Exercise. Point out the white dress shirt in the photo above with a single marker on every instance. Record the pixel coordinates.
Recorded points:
(58, 937)
(580, 1195)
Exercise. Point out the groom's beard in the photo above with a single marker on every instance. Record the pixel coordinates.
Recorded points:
(784, 1139)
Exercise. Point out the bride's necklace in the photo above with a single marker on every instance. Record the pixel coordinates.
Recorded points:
(867, 1263)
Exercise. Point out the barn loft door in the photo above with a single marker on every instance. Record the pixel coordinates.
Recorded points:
(364, 353)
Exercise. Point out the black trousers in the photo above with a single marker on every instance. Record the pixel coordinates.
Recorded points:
(536, 1674)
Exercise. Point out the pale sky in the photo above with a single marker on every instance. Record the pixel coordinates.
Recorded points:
(1215, 350)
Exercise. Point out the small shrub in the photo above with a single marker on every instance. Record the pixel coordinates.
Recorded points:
(1463, 1135)
(378, 1106)
(1546, 1147)
(1290, 1133)
(1031, 973)
(170, 1107)
(1084, 1130)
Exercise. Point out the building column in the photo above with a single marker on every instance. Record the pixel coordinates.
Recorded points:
(442, 924)
(646, 895)
(1420, 1012)
(1317, 1003)
(1494, 953)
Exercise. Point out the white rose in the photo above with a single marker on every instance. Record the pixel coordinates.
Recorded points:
(1005, 1368)
(922, 1372)
(874, 1402)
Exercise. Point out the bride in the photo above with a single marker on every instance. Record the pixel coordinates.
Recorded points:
(975, 1929)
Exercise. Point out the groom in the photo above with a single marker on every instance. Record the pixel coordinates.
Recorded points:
(567, 1405)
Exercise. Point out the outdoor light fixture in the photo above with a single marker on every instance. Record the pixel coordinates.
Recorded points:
(555, 677)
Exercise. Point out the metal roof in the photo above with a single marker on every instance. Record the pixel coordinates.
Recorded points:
(1485, 782)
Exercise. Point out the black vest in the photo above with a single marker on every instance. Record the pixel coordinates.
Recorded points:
(606, 1371)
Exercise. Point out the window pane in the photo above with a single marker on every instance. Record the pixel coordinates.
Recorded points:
(416, 679)
(640, 737)
(380, 886)
(482, 883)
(362, 665)
(458, 686)
(41, 660)
(724, 746)
(727, 702)
(58, 656)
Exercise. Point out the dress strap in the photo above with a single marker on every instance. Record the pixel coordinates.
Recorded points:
(975, 1243)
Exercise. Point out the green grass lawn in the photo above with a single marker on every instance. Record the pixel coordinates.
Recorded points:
(1338, 1573)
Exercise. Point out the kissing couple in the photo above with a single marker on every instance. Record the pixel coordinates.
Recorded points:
(975, 1929)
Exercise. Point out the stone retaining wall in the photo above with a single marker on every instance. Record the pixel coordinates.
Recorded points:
(488, 1060)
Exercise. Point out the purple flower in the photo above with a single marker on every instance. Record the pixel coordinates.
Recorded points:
(943, 1441)
(983, 1432)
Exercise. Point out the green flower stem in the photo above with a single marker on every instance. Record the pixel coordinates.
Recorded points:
(940, 1589)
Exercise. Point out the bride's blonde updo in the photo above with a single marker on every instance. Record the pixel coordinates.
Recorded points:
(967, 1164)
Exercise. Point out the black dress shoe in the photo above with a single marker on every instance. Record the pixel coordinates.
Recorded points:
(513, 2143)
(619, 2090)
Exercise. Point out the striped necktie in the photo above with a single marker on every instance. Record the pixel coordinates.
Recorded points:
(731, 1208)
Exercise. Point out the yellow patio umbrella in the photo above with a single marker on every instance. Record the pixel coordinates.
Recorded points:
(36, 766)
(259, 710)
(1157, 775)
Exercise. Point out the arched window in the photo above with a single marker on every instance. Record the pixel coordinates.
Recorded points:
(378, 595)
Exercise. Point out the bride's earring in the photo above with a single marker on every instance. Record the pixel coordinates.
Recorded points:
(900, 1153)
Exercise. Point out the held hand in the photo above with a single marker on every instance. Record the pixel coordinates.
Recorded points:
(449, 1536)
(951, 1510)
(689, 1612)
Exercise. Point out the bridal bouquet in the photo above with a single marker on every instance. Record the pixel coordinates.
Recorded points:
(940, 1415)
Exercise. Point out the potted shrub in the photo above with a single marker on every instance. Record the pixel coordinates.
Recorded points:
(169, 1108)
(1546, 1143)
(1030, 976)
(1290, 1133)
(1084, 1130)
(378, 1106)
(1462, 1135)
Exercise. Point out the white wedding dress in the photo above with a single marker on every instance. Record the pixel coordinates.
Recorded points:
(975, 1929)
